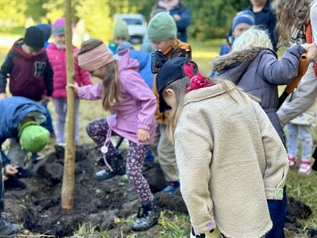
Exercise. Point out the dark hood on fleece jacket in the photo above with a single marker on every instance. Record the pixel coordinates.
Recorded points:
(233, 65)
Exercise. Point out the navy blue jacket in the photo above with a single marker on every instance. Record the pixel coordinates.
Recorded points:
(267, 19)
(12, 111)
(183, 23)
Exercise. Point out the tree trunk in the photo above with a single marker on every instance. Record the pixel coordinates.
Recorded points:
(69, 175)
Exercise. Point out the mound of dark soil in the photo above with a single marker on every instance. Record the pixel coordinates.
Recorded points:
(96, 203)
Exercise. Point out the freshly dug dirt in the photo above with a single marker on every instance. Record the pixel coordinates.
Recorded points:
(96, 203)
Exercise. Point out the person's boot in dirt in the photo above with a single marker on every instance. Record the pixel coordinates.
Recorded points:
(148, 216)
(8, 229)
(171, 187)
(12, 183)
(117, 163)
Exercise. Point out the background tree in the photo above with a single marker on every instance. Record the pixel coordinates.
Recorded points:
(12, 13)
(96, 14)
(210, 19)
(36, 10)
(213, 19)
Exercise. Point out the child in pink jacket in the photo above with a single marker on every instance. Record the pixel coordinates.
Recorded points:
(56, 53)
(124, 93)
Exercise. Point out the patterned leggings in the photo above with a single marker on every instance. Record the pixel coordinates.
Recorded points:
(97, 130)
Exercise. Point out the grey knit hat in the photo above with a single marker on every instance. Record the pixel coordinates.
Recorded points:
(58, 28)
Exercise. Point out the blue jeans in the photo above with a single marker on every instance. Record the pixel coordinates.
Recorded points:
(304, 133)
(277, 210)
(60, 106)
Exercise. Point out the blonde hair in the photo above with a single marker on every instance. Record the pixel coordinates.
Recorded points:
(111, 92)
(179, 87)
(253, 37)
(290, 13)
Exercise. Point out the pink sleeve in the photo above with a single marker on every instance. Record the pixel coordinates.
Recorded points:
(135, 85)
(91, 92)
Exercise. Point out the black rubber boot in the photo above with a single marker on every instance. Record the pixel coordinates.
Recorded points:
(117, 163)
(7, 229)
(148, 216)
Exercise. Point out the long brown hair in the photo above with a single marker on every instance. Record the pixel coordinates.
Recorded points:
(290, 13)
(179, 87)
(111, 92)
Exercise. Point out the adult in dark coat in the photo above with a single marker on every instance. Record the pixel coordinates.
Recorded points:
(179, 12)
(264, 17)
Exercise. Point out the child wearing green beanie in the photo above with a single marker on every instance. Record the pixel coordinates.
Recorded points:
(21, 118)
(162, 31)
(120, 34)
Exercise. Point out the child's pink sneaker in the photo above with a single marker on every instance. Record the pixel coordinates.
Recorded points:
(305, 167)
(292, 161)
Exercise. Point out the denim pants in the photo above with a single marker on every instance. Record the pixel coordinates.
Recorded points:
(60, 106)
(304, 133)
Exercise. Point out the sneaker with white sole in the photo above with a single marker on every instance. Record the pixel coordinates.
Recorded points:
(171, 187)
(305, 167)
(292, 161)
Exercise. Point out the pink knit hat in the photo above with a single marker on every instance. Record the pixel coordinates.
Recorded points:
(58, 27)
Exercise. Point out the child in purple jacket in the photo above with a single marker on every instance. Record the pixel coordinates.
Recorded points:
(124, 93)
(56, 53)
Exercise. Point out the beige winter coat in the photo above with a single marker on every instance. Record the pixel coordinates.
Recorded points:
(230, 160)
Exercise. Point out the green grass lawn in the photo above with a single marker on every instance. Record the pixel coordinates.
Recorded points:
(298, 186)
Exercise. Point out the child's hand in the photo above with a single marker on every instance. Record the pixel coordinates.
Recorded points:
(45, 99)
(3, 96)
(10, 170)
(4, 178)
(74, 86)
(143, 135)
(176, 17)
